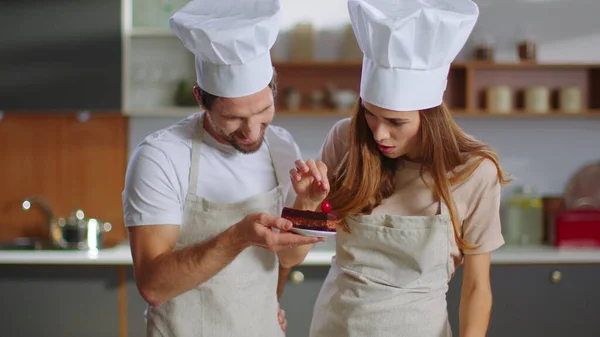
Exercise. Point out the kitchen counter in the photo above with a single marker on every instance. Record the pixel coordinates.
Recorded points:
(121, 255)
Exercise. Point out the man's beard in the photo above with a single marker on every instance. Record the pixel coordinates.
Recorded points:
(233, 138)
(245, 148)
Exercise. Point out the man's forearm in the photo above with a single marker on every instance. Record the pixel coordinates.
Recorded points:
(475, 310)
(174, 273)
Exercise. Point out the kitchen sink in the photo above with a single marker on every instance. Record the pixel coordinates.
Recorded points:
(27, 244)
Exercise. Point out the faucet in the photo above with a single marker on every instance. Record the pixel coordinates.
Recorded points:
(33, 200)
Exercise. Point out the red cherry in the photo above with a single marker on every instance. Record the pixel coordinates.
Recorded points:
(326, 206)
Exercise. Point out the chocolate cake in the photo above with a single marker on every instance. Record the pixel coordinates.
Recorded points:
(319, 221)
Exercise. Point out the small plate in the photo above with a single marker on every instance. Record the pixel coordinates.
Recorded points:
(312, 232)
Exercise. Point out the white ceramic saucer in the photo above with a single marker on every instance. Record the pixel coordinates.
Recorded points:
(312, 232)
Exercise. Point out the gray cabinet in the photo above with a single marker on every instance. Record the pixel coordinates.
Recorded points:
(59, 301)
(136, 306)
(540, 300)
(549, 301)
(299, 296)
(60, 55)
(297, 300)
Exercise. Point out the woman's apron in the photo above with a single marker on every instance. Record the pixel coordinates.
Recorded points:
(389, 278)
(240, 300)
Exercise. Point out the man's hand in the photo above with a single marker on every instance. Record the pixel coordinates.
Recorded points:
(257, 230)
(281, 318)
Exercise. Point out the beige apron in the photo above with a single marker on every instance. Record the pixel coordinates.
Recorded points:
(389, 278)
(241, 299)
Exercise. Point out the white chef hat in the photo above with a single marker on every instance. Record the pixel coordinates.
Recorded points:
(408, 47)
(231, 41)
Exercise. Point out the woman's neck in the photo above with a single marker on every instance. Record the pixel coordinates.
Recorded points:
(409, 163)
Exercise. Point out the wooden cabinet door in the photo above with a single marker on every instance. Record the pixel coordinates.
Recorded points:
(71, 160)
(93, 161)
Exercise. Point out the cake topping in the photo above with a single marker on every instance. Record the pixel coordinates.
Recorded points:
(326, 206)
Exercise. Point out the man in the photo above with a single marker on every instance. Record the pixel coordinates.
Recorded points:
(201, 197)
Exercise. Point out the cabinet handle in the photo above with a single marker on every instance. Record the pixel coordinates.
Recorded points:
(296, 277)
(555, 276)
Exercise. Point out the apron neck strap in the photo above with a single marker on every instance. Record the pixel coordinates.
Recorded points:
(197, 145)
(268, 136)
(443, 208)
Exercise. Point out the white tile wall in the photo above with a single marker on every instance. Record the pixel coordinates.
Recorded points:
(543, 153)
(540, 152)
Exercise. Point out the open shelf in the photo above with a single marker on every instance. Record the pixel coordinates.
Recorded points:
(526, 114)
(468, 83)
(528, 65)
(186, 111)
(151, 32)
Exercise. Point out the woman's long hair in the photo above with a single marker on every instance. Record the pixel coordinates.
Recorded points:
(365, 177)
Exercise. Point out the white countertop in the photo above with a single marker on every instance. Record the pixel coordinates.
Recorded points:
(121, 255)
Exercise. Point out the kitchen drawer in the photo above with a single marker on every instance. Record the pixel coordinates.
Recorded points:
(136, 306)
(539, 300)
(299, 297)
(59, 301)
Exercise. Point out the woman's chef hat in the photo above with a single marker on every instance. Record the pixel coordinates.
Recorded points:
(231, 41)
(408, 46)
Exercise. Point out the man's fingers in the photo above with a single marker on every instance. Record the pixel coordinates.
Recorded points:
(275, 222)
(287, 240)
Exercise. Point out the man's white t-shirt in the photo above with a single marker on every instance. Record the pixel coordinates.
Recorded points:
(157, 178)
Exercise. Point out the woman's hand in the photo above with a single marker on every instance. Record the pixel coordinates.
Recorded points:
(281, 318)
(310, 181)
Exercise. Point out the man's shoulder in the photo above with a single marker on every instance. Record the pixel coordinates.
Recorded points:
(281, 137)
(174, 140)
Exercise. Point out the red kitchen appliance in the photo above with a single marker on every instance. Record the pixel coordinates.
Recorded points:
(577, 228)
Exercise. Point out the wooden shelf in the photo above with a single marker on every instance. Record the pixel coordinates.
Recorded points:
(456, 65)
(466, 90)
(332, 64)
(317, 64)
(151, 32)
(529, 65)
(525, 114)
(314, 113)
(185, 111)
(162, 112)
(468, 82)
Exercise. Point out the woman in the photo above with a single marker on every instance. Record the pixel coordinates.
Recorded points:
(418, 196)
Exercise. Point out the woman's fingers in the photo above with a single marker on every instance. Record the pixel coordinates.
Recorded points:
(323, 172)
(314, 171)
(295, 175)
(301, 166)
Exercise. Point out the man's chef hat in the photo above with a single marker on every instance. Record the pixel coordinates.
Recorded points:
(231, 41)
(408, 46)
